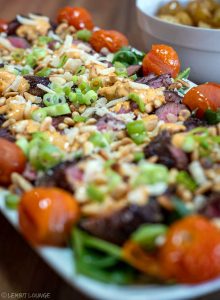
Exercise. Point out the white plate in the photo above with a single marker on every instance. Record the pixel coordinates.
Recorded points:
(61, 260)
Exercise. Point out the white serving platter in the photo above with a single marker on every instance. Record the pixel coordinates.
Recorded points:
(61, 260)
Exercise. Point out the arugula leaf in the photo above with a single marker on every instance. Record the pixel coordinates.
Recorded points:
(184, 74)
(212, 117)
(99, 259)
(128, 56)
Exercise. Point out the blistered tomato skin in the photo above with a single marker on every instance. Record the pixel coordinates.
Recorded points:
(203, 97)
(162, 59)
(110, 39)
(12, 160)
(47, 215)
(191, 253)
(78, 17)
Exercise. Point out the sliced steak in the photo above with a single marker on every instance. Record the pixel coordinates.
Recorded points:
(194, 122)
(134, 69)
(6, 134)
(171, 96)
(169, 112)
(167, 154)
(19, 42)
(13, 26)
(57, 120)
(117, 227)
(34, 81)
(2, 119)
(63, 176)
(109, 122)
(211, 208)
(156, 81)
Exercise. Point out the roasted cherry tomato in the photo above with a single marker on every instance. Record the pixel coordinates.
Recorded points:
(141, 260)
(76, 16)
(12, 160)
(161, 59)
(3, 25)
(46, 215)
(203, 97)
(111, 39)
(191, 253)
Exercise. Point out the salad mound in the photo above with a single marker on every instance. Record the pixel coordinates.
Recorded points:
(109, 150)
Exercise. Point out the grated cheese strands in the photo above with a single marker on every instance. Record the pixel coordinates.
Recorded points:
(68, 41)
(116, 101)
(197, 172)
(14, 86)
(138, 86)
(45, 88)
(38, 17)
(5, 43)
(26, 21)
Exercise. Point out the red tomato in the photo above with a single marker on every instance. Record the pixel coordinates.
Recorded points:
(141, 260)
(78, 17)
(111, 39)
(191, 253)
(12, 160)
(203, 97)
(161, 59)
(3, 25)
(46, 215)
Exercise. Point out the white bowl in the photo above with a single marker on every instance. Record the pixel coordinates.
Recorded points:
(198, 48)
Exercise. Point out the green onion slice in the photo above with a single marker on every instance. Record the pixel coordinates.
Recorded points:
(137, 99)
(12, 201)
(84, 35)
(45, 72)
(147, 234)
(94, 193)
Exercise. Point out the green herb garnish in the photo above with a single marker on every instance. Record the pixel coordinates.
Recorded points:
(212, 117)
(128, 56)
(84, 35)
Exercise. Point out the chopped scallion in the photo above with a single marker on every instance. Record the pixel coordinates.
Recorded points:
(186, 180)
(137, 99)
(12, 201)
(151, 174)
(63, 60)
(42, 154)
(99, 140)
(23, 144)
(94, 193)
(52, 99)
(120, 69)
(136, 130)
(45, 72)
(80, 71)
(43, 40)
(79, 119)
(39, 114)
(138, 156)
(58, 110)
(52, 111)
(146, 234)
(95, 84)
(84, 35)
